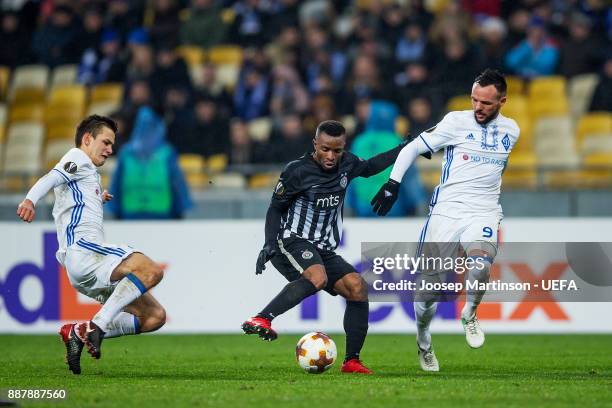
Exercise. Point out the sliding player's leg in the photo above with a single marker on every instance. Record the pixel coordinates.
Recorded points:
(132, 278)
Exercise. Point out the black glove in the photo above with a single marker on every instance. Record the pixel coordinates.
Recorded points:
(267, 252)
(386, 196)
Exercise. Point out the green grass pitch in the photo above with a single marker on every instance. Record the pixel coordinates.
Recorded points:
(240, 371)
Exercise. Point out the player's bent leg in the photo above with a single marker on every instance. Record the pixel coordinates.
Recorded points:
(148, 313)
(355, 290)
(74, 347)
(135, 275)
(313, 279)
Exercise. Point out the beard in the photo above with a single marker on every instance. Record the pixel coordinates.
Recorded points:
(488, 118)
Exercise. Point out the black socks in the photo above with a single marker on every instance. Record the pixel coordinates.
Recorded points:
(292, 294)
(355, 327)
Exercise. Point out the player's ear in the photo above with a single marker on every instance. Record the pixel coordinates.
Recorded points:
(502, 100)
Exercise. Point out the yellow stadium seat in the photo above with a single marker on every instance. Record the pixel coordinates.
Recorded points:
(555, 142)
(578, 179)
(228, 15)
(516, 85)
(596, 122)
(29, 76)
(61, 132)
(5, 74)
(596, 143)
(70, 96)
(192, 54)
(229, 180)
(2, 136)
(581, 89)
(26, 96)
(107, 92)
(260, 129)
(459, 103)
(225, 54)
(191, 163)
(54, 151)
(541, 108)
(263, 180)
(227, 75)
(3, 114)
(56, 115)
(103, 108)
(599, 159)
(33, 112)
(217, 163)
(549, 87)
(516, 105)
(429, 170)
(64, 75)
(22, 154)
(402, 125)
(521, 171)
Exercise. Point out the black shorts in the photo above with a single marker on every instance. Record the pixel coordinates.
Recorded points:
(296, 255)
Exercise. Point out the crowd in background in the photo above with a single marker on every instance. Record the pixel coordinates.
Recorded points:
(304, 61)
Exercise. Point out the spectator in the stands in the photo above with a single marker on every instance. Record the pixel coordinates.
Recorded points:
(454, 73)
(243, 150)
(142, 58)
(493, 42)
(413, 45)
(252, 94)
(581, 53)
(170, 71)
(288, 93)
(14, 41)
(56, 42)
(602, 96)
(364, 81)
(420, 115)
(96, 63)
(208, 84)
(166, 23)
(209, 133)
(537, 55)
(178, 114)
(249, 25)
(290, 142)
(125, 15)
(91, 32)
(204, 27)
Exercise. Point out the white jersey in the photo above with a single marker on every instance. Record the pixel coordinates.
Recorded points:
(78, 209)
(475, 157)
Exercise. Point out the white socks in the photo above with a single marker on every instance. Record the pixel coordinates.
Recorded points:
(127, 290)
(123, 325)
(473, 297)
(424, 313)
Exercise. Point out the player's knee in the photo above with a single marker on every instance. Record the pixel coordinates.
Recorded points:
(319, 281)
(156, 273)
(358, 290)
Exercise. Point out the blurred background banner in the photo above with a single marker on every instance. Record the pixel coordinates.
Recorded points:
(210, 271)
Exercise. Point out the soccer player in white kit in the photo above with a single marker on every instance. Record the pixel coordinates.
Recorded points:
(464, 207)
(117, 276)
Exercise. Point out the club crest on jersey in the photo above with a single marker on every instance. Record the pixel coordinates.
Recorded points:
(70, 167)
(487, 143)
(469, 137)
(307, 254)
(279, 189)
(506, 142)
(343, 182)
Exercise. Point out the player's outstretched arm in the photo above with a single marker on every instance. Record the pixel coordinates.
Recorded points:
(383, 160)
(25, 210)
(387, 195)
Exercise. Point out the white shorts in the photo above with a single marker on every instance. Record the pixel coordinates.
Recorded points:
(456, 236)
(90, 265)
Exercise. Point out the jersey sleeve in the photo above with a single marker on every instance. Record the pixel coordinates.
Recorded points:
(288, 186)
(441, 135)
(73, 166)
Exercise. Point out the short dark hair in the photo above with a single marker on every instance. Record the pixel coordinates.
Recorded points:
(331, 127)
(493, 77)
(93, 124)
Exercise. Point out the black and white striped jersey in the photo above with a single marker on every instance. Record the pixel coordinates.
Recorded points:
(314, 198)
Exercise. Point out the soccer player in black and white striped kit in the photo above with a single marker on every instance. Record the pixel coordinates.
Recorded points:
(304, 227)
